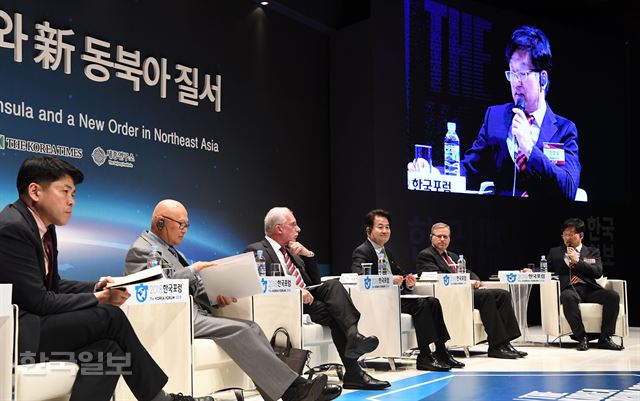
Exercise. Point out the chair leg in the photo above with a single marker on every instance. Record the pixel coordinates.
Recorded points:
(392, 364)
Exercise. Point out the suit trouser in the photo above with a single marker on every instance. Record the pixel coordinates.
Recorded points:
(427, 320)
(246, 344)
(332, 306)
(100, 338)
(497, 314)
(610, 301)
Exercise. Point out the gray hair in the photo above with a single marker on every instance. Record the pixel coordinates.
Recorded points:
(439, 225)
(275, 216)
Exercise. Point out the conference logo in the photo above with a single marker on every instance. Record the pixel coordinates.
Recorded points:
(1, 142)
(99, 156)
(446, 279)
(115, 158)
(264, 283)
(511, 278)
(367, 282)
(141, 292)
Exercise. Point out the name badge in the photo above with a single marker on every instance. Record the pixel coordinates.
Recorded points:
(554, 152)
(591, 261)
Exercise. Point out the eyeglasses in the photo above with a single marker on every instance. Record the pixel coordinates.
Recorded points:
(183, 225)
(519, 75)
(568, 235)
(440, 236)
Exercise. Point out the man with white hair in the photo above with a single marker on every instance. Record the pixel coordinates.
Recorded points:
(237, 337)
(328, 304)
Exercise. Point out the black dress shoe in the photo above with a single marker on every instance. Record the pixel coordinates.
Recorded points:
(431, 362)
(607, 343)
(363, 381)
(447, 358)
(180, 397)
(309, 391)
(583, 344)
(520, 354)
(360, 345)
(330, 392)
(500, 351)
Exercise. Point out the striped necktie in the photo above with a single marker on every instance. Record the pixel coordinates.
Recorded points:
(292, 269)
(47, 241)
(446, 257)
(521, 158)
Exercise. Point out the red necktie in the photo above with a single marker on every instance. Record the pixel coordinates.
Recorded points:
(574, 279)
(521, 159)
(292, 269)
(48, 254)
(449, 261)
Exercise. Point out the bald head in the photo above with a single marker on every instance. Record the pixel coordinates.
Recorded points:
(170, 221)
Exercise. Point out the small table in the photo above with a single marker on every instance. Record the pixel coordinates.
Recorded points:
(520, 287)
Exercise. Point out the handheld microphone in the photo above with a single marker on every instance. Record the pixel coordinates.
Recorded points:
(522, 105)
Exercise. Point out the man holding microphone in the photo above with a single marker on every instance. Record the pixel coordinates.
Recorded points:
(578, 266)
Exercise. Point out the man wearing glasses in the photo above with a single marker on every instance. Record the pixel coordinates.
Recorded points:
(578, 266)
(494, 304)
(524, 147)
(238, 338)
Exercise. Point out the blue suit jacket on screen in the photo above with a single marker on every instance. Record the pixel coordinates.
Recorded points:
(488, 159)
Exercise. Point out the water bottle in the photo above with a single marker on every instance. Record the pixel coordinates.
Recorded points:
(451, 151)
(261, 263)
(543, 264)
(462, 265)
(382, 266)
(154, 258)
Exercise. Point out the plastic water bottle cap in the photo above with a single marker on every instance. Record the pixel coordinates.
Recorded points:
(451, 126)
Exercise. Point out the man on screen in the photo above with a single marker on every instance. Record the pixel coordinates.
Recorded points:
(494, 304)
(578, 266)
(238, 338)
(524, 147)
(328, 304)
(60, 317)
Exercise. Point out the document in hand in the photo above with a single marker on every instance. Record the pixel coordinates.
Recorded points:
(235, 276)
(155, 273)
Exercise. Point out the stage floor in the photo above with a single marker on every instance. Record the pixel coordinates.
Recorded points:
(547, 373)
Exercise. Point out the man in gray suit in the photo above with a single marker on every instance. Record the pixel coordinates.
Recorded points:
(242, 340)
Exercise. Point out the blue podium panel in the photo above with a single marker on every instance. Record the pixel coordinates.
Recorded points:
(518, 386)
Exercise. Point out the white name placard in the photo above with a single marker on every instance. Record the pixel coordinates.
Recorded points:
(374, 282)
(451, 279)
(159, 292)
(349, 278)
(277, 285)
(518, 277)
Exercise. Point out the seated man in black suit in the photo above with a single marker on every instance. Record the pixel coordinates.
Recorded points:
(426, 312)
(494, 304)
(328, 304)
(578, 266)
(60, 316)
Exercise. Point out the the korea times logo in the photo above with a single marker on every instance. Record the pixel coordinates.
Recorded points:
(1, 142)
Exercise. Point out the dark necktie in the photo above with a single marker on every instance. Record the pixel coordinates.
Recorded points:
(292, 269)
(48, 254)
(449, 261)
(175, 253)
(521, 158)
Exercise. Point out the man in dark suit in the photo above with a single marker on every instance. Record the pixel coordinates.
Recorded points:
(578, 266)
(237, 337)
(328, 304)
(60, 316)
(426, 312)
(526, 151)
(494, 304)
